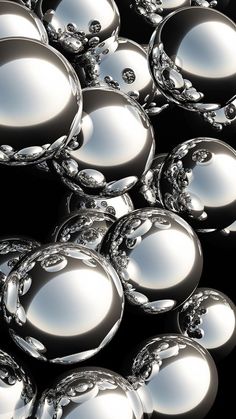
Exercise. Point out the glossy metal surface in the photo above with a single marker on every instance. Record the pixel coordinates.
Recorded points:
(150, 181)
(86, 227)
(90, 393)
(40, 103)
(76, 25)
(175, 378)
(18, 21)
(123, 67)
(117, 206)
(154, 10)
(197, 181)
(13, 249)
(192, 57)
(114, 148)
(209, 317)
(157, 256)
(17, 391)
(63, 303)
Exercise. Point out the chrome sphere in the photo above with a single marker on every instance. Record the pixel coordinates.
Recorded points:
(149, 181)
(154, 10)
(157, 256)
(76, 25)
(114, 148)
(197, 181)
(117, 206)
(63, 303)
(175, 378)
(192, 58)
(86, 227)
(40, 102)
(123, 67)
(91, 393)
(13, 249)
(17, 391)
(18, 21)
(209, 317)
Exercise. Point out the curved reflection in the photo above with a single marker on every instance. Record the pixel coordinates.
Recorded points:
(18, 21)
(196, 55)
(175, 377)
(69, 305)
(186, 391)
(209, 317)
(157, 256)
(39, 95)
(81, 295)
(94, 392)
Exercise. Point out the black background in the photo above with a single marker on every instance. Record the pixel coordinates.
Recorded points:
(31, 203)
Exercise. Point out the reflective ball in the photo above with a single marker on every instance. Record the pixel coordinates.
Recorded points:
(93, 393)
(17, 391)
(40, 103)
(123, 67)
(113, 149)
(63, 303)
(18, 21)
(197, 181)
(154, 10)
(157, 256)
(175, 378)
(13, 249)
(86, 227)
(76, 25)
(209, 317)
(192, 58)
(149, 181)
(117, 206)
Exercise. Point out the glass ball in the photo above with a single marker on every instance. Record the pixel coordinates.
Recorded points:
(157, 256)
(63, 303)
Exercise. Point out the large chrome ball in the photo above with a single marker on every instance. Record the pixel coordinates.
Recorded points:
(114, 148)
(192, 58)
(117, 206)
(17, 391)
(76, 25)
(197, 180)
(157, 256)
(63, 303)
(86, 227)
(123, 67)
(90, 393)
(18, 21)
(175, 378)
(40, 101)
(209, 317)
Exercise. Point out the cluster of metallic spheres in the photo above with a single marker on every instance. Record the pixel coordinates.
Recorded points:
(76, 97)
